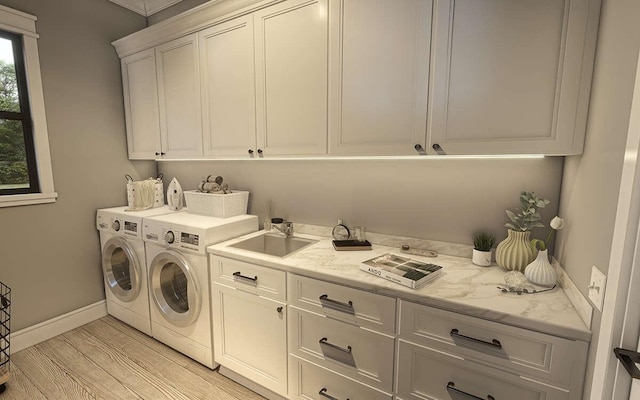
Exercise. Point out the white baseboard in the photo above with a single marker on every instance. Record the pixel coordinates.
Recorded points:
(35, 334)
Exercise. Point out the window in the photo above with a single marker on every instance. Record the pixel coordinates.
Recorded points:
(25, 163)
(18, 172)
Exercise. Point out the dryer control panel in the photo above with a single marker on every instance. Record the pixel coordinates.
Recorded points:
(193, 233)
(119, 225)
(172, 237)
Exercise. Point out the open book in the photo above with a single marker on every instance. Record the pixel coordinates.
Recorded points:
(405, 271)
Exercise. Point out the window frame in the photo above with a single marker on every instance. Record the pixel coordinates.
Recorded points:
(23, 24)
(24, 116)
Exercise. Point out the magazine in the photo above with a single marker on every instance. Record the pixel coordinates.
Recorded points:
(405, 271)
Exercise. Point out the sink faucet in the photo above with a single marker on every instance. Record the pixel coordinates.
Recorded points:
(286, 227)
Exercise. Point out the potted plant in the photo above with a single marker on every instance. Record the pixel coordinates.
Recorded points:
(482, 244)
(514, 253)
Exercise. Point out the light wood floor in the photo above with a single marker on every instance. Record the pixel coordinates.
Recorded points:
(107, 359)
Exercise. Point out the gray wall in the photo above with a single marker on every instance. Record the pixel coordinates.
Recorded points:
(434, 198)
(51, 253)
(591, 182)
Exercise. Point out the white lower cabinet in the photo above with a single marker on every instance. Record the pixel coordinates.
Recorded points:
(250, 336)
(358, 353)
(304, 338)
(426, 374)
(353, 306)
(311, 381)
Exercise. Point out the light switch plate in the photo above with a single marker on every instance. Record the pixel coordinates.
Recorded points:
(596, 287)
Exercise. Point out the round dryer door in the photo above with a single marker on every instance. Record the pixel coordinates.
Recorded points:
(121, 269)
(175, 288)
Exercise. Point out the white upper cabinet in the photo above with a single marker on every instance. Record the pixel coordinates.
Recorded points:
(362, 77)
(291, 77)
(511, 77)
(379, 76)
(141, 105)
(228, 88)
(179, 97)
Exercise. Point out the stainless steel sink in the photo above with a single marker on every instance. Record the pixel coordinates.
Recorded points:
(273, 245)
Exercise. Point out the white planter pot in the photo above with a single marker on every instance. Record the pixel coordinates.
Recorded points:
(482, 258)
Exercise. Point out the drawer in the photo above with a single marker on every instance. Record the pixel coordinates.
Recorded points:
(266, 282)
(357, 307)
(310, 381)
(358, 353)
(548, 358)
(428, 374)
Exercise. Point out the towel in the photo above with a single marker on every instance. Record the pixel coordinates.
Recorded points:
(143, 193)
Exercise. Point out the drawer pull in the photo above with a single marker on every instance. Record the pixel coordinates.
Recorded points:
(337, 353)
(494, 344)
(238, 274)
(324, 341)
(459, 394)
(323, 393)
(337, 305)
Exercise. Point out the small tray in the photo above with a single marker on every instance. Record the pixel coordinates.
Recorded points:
(351, 245)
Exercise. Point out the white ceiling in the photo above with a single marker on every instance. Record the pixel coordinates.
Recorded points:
(145, 7)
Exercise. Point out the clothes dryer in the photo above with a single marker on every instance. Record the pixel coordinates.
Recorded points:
(124, 264)
(178, 270)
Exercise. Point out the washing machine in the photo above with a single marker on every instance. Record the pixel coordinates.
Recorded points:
(178, 271)
(124, 264)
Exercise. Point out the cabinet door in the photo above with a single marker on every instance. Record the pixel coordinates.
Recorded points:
(355, 352)
(312, 382)
(250, 336)
(423, 373)
(511, 76)
(379, 76)
(228, 98)
(179, 94)
(291, 77)
(140, 90)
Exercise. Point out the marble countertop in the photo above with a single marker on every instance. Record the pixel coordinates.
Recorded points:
(462, 287)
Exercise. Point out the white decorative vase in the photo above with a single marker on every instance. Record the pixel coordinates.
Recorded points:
(540, 271)
(481, 258)
(514, 253)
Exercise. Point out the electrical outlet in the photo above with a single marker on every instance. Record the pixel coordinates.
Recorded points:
(596, 287)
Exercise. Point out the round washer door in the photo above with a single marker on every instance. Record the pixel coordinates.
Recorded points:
(175, 288)
(121, 269)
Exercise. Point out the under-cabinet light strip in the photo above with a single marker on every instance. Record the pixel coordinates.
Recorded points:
(364, 158)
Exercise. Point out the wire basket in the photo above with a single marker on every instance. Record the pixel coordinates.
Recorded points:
(5, 329)
(217, 205)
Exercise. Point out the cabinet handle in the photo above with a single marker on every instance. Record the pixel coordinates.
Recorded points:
(459, 394)
(238, 274)
(323, 393)
(325, 342)
(494, 344)
(250, 153)
(157, 153)
(337, 305)
(438, 149)
(420, 149)
(260, 153)
(279, 310)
